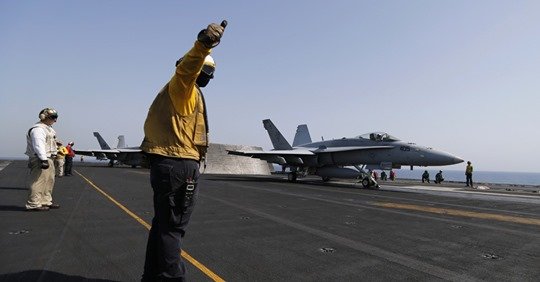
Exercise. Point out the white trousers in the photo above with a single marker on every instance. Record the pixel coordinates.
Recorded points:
(59, 166)
(41, 184)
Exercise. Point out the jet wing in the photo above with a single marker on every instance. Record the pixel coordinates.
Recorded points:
(107, 153)
(272, 153)
(85, 152)
(129, 150)
(92, 153)
(97, 152)
(277, 156)
(306, 152)
(348, 149)
(298, 156)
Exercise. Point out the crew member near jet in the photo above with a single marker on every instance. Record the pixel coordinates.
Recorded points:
(425, 176)
(41, 150)
(392, 175)
(60, 159)
(438, 177)
(69, 159)
(383, 175)
(175, 143)
(375, 176)
(468, 174)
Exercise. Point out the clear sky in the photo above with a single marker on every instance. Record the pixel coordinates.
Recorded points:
(460, 76)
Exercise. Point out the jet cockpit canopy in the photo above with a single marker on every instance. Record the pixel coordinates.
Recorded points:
(378, 136)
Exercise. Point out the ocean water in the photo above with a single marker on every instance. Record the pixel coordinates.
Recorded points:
(518, 178)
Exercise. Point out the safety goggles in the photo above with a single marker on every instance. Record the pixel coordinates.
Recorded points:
(208, 70)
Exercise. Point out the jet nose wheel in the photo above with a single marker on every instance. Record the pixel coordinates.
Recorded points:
(368, 183)
(365, 183)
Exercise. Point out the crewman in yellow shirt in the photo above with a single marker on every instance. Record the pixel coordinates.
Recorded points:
(468, 174)
(60, 159)
(175, 143)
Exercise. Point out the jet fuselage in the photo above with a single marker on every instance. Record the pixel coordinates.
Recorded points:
(398, 153)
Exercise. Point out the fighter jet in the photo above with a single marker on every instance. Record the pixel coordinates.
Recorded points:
(132, 156)
(332, 158)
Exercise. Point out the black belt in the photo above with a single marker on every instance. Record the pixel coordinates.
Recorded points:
(156, 156)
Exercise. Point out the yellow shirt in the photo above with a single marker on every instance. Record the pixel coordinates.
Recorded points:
(62, 151)
(175, 125)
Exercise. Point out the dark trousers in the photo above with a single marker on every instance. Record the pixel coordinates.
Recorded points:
(68, 165)
(168, 177)
(468, 179)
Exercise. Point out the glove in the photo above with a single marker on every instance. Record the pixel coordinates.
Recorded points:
(211, 36)
(44, 164)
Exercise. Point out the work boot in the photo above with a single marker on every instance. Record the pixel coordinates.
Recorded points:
(44, 208)
(52, 206)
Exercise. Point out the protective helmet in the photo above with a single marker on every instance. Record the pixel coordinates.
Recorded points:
(48, 113)
(71, 143)
(209, 66)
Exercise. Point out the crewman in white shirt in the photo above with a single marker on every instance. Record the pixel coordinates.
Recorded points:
(41, 150)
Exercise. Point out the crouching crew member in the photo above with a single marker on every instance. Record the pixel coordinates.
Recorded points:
(438, 177)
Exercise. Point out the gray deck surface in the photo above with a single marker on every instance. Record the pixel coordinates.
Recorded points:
(262, 228)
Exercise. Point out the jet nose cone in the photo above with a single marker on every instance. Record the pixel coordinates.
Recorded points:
(444, 158)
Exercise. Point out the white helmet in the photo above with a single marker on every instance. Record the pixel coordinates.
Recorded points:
(209, 66)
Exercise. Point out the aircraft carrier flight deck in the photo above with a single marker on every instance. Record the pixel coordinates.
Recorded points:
(263, 228)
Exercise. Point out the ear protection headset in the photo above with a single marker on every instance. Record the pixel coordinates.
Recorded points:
(47, 113)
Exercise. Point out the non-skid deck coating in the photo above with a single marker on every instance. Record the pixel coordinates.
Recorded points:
(254, 228)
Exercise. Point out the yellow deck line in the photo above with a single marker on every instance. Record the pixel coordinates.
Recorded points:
(491, 216)
(185, 255)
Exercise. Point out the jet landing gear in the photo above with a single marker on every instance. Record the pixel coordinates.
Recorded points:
(369, 183)
(295, 174)
(366, 179)
(292, 176)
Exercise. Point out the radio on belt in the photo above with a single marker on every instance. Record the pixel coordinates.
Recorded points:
(189, 192)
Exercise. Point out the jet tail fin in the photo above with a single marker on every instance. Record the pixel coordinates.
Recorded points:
(121, 142)
(278, 141)
(102, 143)
(302, 135)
